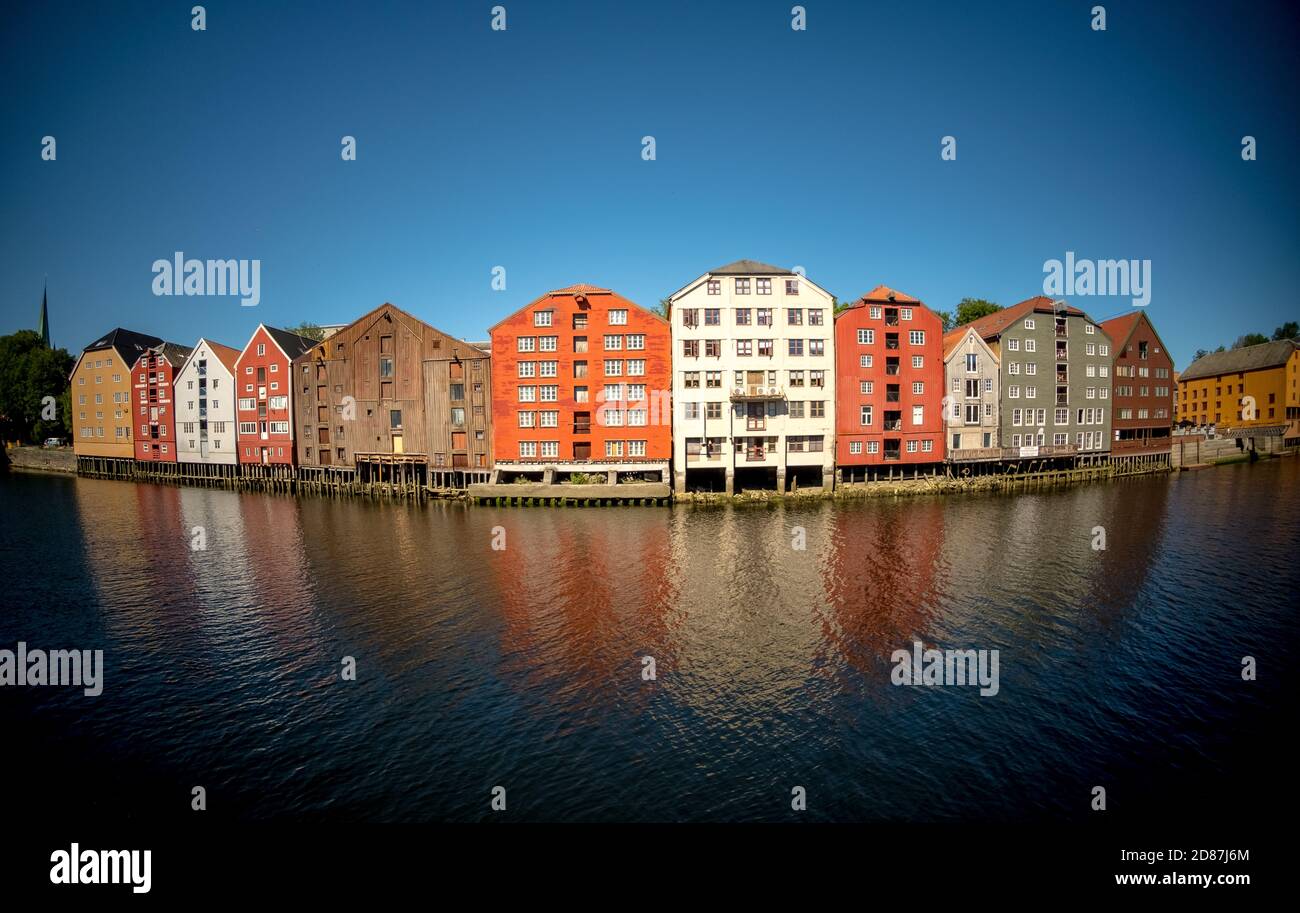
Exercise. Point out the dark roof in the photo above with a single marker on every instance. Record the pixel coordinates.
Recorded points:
(1239, 361)
(292, 344)
(750, 268)
(176, 353)
(128, 343)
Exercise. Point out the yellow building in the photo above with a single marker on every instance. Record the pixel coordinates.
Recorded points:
(1253, 391)
(101, 395)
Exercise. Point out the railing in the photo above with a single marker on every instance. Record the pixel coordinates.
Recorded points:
(891, 396)
(973, 454)
(891, 344)
(895, 425)
(755, 424)
(758, 392)
(581, 428)
(893, 370)
(755, 454)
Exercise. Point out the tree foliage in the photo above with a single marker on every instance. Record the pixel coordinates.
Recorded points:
(968, 311)
(1288, 330)
(29, 372)
(310, 330)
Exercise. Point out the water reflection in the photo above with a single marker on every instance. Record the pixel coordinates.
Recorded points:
(479, 666)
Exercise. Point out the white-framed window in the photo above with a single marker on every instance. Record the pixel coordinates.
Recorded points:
(918, 415)
(527, 369)
(549, 393)
(918, 361)
(636, 367)
(527, 394)
(927, 445)
(1089, 329)
(1031, 345)
(918, 387)
(636, 448)
(548, 418)
(618, 317)
(279, 427)
(855, 447)
(864, 361)
(613, 367)
(874, 311)
(916, 337)
(548, 343)
(543, 318)
(548, 369)
(550, 448)
(635, 342)
(527, 449)
(1029, 323)
(527, 419)
(911, 446)
(526, 344)
(864, 416)
(866, 387)
(1013, 345)
(866, 337)
(873, 446)
(613, 342)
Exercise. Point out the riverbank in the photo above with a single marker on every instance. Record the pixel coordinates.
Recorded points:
(40, 459)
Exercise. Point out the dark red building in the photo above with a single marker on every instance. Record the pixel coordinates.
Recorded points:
(153, 408)
(888, 384)
(1142, 387)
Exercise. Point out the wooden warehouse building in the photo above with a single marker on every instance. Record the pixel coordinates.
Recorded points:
(389, 397)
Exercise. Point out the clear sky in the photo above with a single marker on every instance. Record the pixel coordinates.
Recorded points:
(522, 149)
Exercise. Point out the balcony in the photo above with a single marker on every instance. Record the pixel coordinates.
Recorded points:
(893, 424)
(756, 423)
(582, 427)
(757, 392)
(755, 454)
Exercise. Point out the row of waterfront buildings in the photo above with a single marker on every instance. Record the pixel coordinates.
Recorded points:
(754, 379)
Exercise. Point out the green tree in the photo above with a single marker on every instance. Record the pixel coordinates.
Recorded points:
(970, 310)
(1250, 339)
(310, 330)
(30, 371)
(665, 309)
(1288, 330)
(1200, 353)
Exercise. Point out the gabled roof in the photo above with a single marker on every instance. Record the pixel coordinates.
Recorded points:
(1239, 361)
(1120, 328)
(750, 268)
(291, 344)
(954, 338)
(129, 344)
(996, 324)
(175, 353)
(225, 354)
(885, 294)
(579, 290)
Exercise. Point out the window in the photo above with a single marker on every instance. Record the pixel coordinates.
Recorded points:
(764, 286)
(916, 338)
(548, 343)
(918, 415)
(613, 342)
(744, 347)
(866, 337)
(1013, 345)
(865, 415)
(548, 369)
(794, 317)
(864, 361)
(855, 447)
(866, 387)
(743, 316)
(527, 419)
(742, 286)
(792, 286)
(795, 347)
(1029, 323)
(618, 317)
(543, 318)
(712, 317)
(550, 448)
(918, 387)
(636, 341)
(816, 347)
(715, 287)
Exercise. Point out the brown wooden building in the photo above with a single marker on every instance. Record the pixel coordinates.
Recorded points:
(389, 396)
(1142, 384)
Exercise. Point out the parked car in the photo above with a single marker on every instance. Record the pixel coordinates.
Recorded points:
(54, 442)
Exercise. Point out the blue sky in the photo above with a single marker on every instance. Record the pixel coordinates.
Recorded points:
(523, 149)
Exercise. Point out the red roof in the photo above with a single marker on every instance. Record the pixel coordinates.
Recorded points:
(996, 323)
(226, 354)
(883, 293)
(1118, 328)
(581, 288)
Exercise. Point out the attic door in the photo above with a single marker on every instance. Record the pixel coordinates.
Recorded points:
(386, 370)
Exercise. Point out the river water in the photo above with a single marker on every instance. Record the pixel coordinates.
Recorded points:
(522, 667)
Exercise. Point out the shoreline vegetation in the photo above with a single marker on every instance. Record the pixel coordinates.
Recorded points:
(63, 462)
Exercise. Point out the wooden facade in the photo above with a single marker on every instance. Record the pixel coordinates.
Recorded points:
(390, 385)
(1142, 384)
(889, 378)
(102, 417)
(153, 405)
(263, 409)
(582, 378)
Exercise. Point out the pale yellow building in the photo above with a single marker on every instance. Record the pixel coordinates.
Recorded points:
(101, 395)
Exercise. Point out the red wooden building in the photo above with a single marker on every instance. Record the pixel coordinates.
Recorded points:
(153, 377)
(263, 409)
(1142, 388)
(888, 383)
(582, 380)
